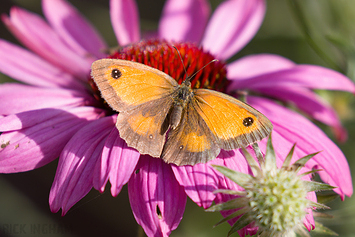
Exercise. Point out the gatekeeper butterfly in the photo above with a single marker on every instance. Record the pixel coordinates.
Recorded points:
(181, 125)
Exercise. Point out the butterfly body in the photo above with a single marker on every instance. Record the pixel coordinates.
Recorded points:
(181, 125)
(181, 97)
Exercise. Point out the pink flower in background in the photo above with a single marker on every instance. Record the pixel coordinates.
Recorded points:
(56, 114)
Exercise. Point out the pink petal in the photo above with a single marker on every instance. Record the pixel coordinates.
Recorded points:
(238, 163)
(294, 128)
(27, 67)
(73, 28)
(255, 65)
(74, 176)
(36, 34)
(16, 98)
(184, 20)
(157, 200)
(199, 181)
(309, 219)
(309, 102)
(117, 163)
(36, 138)
(309, 76)
(232, 26)
(125, 21)
(249, 229)
(233, 160)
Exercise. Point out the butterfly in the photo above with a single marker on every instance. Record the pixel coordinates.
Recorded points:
(181, 125)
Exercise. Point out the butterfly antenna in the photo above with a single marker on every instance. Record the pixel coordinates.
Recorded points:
(212, 61)
(187, 76)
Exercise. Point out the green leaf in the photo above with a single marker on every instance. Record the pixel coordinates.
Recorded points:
(316, 186)
(231, 192)
(270, 158)
(323, 215)
(302, 161)
(252, 163)
(327, 197)
(233, 215)
(311, 172)
(288, 158)
(321, 229)
(231, 204)
(241, 223)
(258, 153)
(237, 177)
(318, 205)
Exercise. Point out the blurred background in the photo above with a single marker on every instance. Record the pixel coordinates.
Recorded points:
(307, 32)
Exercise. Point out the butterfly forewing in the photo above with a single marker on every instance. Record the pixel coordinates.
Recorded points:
(233, 123)
(125, 84)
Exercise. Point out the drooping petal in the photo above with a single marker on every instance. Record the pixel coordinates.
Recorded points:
(74, 176)
(16, 98)
(157, 200)
(238, 163)
(125, 21)
(309, 102)
(73, 28)
(233, 160)
(27, 67)
(294, 128)
(184, 21)
(233, 24)
(35, 138)
(37, 35)
(118, 162)
(250, 229)
(309, 76)
(309, 219)
(255, 65)
(199, 181)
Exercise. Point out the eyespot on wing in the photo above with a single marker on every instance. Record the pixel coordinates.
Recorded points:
(125, 83)
(233, 123)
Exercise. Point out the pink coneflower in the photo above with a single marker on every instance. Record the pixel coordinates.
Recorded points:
(57, 112)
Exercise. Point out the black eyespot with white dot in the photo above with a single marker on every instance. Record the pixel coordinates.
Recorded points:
(115, 74)
(247, 122)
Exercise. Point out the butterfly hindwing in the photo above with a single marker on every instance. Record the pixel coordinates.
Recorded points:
(191, 142)
(144, 126)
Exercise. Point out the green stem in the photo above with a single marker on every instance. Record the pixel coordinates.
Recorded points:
(303, 23)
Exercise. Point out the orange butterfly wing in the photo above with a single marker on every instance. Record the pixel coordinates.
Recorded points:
(142, 96)
(213, 121)
(136, 85)
(191, 142)
(233, 123)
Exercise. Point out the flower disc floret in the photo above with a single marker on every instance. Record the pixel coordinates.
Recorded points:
(278, 200)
